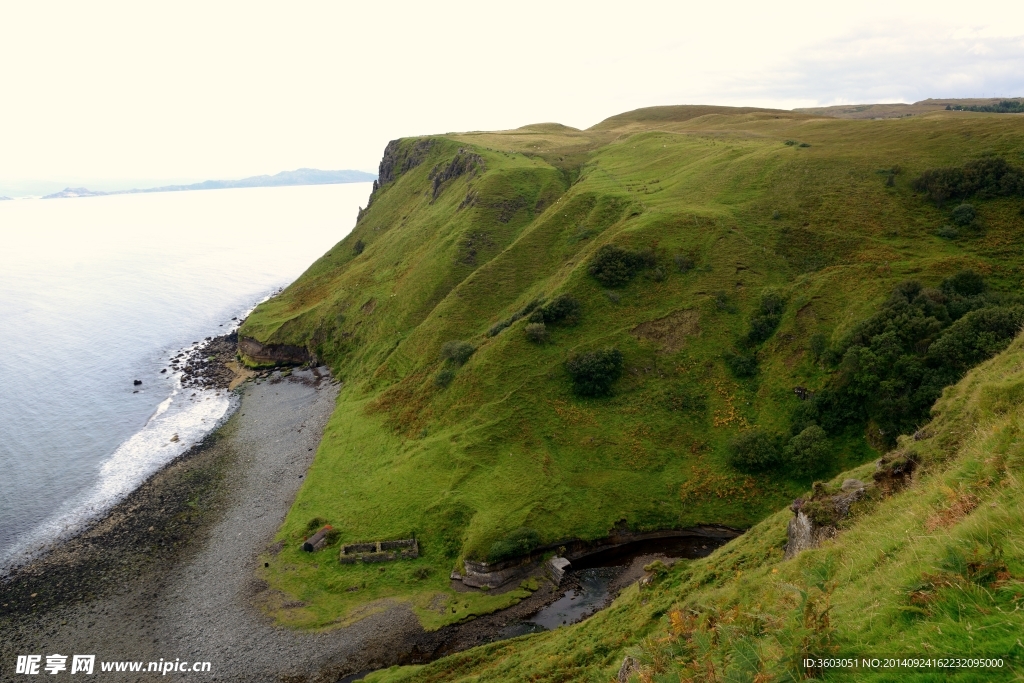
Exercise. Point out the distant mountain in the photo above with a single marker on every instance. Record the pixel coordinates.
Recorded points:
(76, 192)
(5, 198)
(302, 176)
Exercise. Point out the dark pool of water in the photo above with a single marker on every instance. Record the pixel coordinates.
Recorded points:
(578, 603)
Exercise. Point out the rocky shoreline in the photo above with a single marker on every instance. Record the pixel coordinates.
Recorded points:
(170, 572)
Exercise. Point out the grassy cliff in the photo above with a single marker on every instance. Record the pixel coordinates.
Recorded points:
(730, 256)
(933, 570)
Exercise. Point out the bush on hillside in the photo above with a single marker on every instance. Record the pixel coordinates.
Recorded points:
(947, 232)
(809, 452)
(613, 266)
(536, 332)
(985, 177)
(767, 318)
(457, 352)
(444, 376)
(528, 309)
(358, 247)
(562, 309)
(755, 450)
(520, 542)
(895, 364)
(741, 365)
(977, 336)
(594, 373)
(964, 283)
(964, 215)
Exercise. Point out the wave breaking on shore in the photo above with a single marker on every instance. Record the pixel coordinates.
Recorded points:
(180, 422)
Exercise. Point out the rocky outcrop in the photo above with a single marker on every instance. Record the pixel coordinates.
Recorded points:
(816, 519)
(462, 163)
(256, 353)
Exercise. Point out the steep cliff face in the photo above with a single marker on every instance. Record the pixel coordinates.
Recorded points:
(561, 331)
(256, 354)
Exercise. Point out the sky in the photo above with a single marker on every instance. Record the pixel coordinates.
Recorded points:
(130, 94)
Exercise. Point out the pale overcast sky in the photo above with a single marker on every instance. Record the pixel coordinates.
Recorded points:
(146, 90)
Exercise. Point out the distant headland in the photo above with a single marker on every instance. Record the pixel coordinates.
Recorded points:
(302, 176)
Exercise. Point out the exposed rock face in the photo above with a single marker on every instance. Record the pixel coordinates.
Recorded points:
(394, 163)
(893, 471)
(630, 666)
(463, 162)
(275, 354)
(816, 519)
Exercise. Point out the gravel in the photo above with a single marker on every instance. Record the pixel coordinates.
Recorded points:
(142, 585)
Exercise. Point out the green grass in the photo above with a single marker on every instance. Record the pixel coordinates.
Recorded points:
(506, 444)
(893, 582)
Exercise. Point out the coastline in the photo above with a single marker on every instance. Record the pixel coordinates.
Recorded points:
(171, 571)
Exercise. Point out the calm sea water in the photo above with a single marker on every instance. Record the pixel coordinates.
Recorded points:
(97, 292)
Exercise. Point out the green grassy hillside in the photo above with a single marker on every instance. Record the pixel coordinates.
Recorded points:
(935, 570)
(754, 245)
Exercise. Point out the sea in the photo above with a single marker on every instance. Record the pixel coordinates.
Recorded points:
(98, 292)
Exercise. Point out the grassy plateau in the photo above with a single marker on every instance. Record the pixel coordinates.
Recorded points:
(681, 316)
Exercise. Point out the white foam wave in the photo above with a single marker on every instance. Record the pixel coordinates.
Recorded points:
(177, 424)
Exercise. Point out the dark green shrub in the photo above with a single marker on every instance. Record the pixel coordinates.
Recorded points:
(809, 452)
(358, 247)
(457, 352)
(895, 364)
(964, 283)
(741, 365)
(755, 450)
(444, 376)
(518, 543)
(947, 232)
(613, 266)
(528, 309)
(497, 328)
(536, 332)
(977, 336)
(767, 318)
(562, 309)
(964, 215)
(594, 373)
(985, 177)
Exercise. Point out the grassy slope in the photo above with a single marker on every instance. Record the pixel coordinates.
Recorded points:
(967, 498)
(506, 444)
